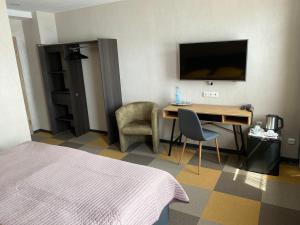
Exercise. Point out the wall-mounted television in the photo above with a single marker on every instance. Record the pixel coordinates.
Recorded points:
(225, 60)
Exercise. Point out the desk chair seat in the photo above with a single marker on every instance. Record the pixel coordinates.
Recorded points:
(190, 127)
(209, 135)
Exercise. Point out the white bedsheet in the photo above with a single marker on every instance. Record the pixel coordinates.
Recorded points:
(43, 184)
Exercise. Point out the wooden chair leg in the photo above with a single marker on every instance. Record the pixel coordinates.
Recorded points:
(183, 149)
(200, 156)
(218, 150)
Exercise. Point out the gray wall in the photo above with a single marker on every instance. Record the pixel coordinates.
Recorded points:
(148, 33)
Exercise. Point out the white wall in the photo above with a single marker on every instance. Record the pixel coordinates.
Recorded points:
(93, 91)
(41, 29)
(38, 108)
(14, 128)
(46, 27)
(17, 31)
(148, 33)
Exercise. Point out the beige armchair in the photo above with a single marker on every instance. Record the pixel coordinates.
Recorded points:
(136, 122)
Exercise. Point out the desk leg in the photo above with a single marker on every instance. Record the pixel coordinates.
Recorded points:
(235, 138)
(242, 139)
(172, 135)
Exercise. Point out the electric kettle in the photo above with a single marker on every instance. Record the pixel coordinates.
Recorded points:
(274, 122)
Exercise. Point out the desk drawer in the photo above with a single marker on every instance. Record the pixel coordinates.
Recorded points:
(236, 120)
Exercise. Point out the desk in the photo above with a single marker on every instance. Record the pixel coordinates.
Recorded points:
(229, 115)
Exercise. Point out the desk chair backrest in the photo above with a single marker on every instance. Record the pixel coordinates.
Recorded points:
(190, 125)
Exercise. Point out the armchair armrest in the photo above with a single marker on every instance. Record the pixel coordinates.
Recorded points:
(154, 119)
(123, 117)
(155, 128)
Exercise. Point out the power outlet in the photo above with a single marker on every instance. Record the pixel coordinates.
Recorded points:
(211, 94)
(291, 141)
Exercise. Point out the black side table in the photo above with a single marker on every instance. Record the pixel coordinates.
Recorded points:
(263, 155)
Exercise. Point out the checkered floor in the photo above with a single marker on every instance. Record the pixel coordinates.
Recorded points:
(220, 195)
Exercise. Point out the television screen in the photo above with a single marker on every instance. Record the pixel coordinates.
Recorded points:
(214, 60)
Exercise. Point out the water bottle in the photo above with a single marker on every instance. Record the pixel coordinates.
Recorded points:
(178, 96)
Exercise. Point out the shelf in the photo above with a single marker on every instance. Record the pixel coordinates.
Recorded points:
(68, 118)
(61, 97)
(237, 120)
(57, 72)
(66, 91)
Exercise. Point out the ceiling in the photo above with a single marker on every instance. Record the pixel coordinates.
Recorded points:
(53, 5)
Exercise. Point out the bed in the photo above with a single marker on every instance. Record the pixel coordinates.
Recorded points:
(46, 184)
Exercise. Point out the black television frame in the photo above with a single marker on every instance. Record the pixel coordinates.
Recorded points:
(193, 43)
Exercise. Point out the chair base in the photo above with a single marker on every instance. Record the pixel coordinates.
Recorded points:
(200, 152)
(128, 140)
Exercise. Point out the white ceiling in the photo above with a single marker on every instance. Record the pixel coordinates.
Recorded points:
(53, 5)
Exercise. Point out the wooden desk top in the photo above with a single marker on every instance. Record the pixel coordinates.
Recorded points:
(229, 114)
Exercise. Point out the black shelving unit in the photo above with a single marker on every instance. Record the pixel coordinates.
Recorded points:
(64, 85)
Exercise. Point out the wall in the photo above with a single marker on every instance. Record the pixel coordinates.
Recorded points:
(14, 128)
(46, 25)
(148, 33)
(38, 108)
(17, 31)
(93, 91)
(41, 29)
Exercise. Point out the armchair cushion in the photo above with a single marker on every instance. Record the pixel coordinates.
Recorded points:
(138, 127)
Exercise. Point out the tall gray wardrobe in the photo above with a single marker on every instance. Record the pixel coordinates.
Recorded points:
(64, 85)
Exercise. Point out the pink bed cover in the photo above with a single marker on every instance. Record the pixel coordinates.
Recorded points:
(43, 184)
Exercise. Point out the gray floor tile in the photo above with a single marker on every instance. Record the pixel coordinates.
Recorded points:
(67, 135)
(282, 194)
(209, 160)
(71, 145)
(171, 167)
(235, 184)
(179, 218)
(142, 149)
(86, 138)
(114, 147)
(206, 222)
(274, 215)
(198, 199)
(93, 150)
(234, 164)
(138, 159)
(37, 138)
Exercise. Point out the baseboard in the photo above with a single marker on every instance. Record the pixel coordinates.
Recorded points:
(291, 161)
(50, 132)
(42, 130)
(99, 131)
(225, 150)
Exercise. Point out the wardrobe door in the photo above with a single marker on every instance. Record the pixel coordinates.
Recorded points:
(109, 67)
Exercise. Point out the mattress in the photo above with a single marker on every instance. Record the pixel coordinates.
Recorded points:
(46, 184)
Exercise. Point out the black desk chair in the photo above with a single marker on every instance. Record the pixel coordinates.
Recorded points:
(190, 127)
